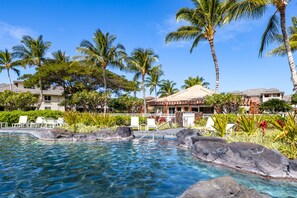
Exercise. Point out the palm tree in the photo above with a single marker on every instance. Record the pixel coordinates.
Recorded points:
(281, 50)
(60, 57)
(203, 21)
(141, 62)
(32, 52)
(191, 81)
(255, 9)
(7, 62)
(167, 88)
(103, 53)
(153, 80)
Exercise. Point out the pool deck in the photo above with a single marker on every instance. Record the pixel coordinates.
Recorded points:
(37, 132)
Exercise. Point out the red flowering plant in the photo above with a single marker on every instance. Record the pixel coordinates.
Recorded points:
(263, 125)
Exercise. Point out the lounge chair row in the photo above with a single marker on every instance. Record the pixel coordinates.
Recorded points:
(210, 123)
(151, 123)
(39, 123)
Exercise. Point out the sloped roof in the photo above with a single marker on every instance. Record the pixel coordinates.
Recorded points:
(51, 91)
(258, 91)
(194, 93)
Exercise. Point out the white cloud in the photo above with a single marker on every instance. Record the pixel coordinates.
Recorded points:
(10, 35)
(169, 25)
(230, 31)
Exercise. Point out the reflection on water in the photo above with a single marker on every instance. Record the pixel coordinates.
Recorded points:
(30, 168)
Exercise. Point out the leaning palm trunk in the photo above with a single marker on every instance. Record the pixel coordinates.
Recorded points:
(105, 92)
(288, 47)
(143, 91)
(215, 60)
(9, 79)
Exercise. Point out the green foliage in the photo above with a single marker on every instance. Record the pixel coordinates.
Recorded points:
(72, 117)
(268, 141)
(17, 101)
(288, 128)
(80, 128)
(167, 88)
(220, 124)
(192, 81)
(87, 100)
(200, 121)
(275, 106)
(294, 98)
(126, 104)
(224, 102)
(13, 116)
(248, 123)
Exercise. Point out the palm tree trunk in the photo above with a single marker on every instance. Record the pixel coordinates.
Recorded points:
(41, 94)
(105, 94)
(215, 60)
(156, 91)
(143, 91)
(9, 79)
(288, 47)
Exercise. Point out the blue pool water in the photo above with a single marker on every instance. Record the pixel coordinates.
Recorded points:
(30, 168)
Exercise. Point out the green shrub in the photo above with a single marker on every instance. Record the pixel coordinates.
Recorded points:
(72, 117)
(248, 123)
(220, 124)
(13, 116)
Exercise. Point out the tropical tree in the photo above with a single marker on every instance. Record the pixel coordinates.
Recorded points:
(281, 50)
(191, 81)
(103, 53)
(154, 79)
(167, 88)
(60, 57)
(141, 62)
(32, 52)
(202, 22)
(8, 63)
(255, 9)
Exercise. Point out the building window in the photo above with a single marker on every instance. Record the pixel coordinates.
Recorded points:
(276, 95)
(47, 98)
(47, 108)
(195, 109)
(178, 109)
(266, 95)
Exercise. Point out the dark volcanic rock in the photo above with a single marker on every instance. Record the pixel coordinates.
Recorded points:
(61, 133)
(225, 187)
(184, 137)
(245, 157)
(124, 132)
(105, 133)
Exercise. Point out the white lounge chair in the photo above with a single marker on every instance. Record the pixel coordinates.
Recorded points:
(208, 126)
(50, 123)
(229, 127)
(135, 123)
(40, 122)
(151, 123)
(3, 124)
(60, 121)
(23, 121)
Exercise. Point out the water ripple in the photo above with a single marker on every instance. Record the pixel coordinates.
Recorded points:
(30, 168)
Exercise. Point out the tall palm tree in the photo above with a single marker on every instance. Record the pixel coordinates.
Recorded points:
(103, 53)
(191, 81)
(203, 21)
(255, 9)
(167, 88)
(154, 79)
(32, 52)
(7, 62)
(141, 62)
(281, 50)
(60, 57)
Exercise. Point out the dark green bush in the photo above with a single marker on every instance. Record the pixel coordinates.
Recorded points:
(13, 116)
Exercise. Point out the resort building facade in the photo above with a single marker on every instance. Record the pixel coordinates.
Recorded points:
(252, 98)
(187, 100)
(52, 97)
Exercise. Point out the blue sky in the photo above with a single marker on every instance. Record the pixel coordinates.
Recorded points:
(145, 23)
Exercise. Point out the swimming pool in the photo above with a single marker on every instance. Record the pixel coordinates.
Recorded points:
(31, 168)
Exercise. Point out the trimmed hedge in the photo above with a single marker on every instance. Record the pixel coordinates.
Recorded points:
(13, 116)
